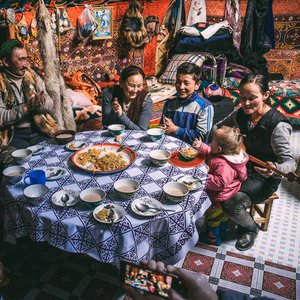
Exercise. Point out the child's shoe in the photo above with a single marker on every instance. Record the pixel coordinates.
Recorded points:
(213, 236)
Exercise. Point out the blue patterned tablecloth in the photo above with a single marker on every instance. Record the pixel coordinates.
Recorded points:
(166, 237)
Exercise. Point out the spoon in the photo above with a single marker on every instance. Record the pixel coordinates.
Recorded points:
(65, 198)
(144, 208)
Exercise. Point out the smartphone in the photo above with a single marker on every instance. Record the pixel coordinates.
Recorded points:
(143, 279)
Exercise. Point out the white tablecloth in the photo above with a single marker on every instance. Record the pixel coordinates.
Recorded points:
(166, 237)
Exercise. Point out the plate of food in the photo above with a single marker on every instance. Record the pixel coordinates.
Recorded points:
(109, 213)
(76, 145)
(104, 158)
(192, 182)
(188, 153)
(177, 159)
(150, 203)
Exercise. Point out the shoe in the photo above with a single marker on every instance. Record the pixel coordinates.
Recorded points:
(246, 240)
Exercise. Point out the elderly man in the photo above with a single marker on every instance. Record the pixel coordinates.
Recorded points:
(24, 102)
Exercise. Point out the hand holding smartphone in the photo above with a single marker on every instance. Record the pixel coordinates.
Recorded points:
(146, 280)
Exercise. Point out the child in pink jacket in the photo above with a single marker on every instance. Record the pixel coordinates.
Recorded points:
(227, 170)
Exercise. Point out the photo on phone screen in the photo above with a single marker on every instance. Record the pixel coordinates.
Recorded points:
(146, 280)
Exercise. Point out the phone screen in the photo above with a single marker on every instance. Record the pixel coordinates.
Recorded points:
(146, 280)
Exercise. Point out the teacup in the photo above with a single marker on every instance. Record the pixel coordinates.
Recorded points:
(155, 134)
(92, 195)
(35, 177)
(22, 156)
(36, 191)
(159, 157)
(14, 174)
(126, 187)
(116, 129)
(175, 191)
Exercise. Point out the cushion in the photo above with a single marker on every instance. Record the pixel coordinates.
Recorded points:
(169, 75)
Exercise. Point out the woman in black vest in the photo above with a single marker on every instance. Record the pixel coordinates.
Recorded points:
(268, 135)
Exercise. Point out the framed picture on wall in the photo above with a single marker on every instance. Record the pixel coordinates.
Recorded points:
(103, 17)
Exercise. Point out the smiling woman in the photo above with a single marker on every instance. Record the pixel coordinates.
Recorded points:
(128, 103)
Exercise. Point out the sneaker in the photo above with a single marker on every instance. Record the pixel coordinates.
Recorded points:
(247, 239)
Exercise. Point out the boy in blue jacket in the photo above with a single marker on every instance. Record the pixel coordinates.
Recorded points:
(188, 116)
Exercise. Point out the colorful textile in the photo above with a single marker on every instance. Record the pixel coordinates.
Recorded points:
(285, 96)
(284, 61)
(197, 12)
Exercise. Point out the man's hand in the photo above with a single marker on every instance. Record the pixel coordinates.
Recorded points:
(196, 284)
(265, 172)
(36, 102)
(170, 127)
(117, 108)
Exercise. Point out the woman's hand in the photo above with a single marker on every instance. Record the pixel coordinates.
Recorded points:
(197, 143)
(265, 172)
(117, 108)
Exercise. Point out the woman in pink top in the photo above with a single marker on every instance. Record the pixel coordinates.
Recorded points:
(227, 170)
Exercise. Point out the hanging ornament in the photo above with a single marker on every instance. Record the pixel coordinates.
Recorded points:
(33, 27)
(22, 32)
(64, 21)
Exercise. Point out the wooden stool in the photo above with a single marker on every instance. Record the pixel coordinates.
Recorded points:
(263, 210)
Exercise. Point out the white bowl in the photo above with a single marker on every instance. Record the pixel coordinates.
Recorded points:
(14, 174)
(22, 156)
(175, 191)
(116, 129)
(155, 134)
(36, 191)
(126, 187)
(92, 195)
(159, 157)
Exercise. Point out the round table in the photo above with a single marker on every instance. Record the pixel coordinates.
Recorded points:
(166, 237)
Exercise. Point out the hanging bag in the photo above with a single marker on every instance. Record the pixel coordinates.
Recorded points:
(86, 23)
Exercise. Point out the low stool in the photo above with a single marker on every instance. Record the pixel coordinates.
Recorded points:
(261, 212)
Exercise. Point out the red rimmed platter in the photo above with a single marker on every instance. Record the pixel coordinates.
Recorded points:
(103, 158)
(179, 161)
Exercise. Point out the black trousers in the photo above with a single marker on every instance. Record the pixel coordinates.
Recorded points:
(255, 189)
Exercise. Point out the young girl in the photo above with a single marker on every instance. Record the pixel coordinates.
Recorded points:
(227, 170)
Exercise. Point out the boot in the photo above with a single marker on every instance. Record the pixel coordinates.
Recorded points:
(247, 239)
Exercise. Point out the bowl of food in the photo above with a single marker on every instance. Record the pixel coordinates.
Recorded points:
(116, 129)
(64, 136)
(188, 153)
(155, 134)
(92, 196)
(36, 191)
(159, 157)
(175, 191)
(22, 156)
(126, 187)
(14, 174)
